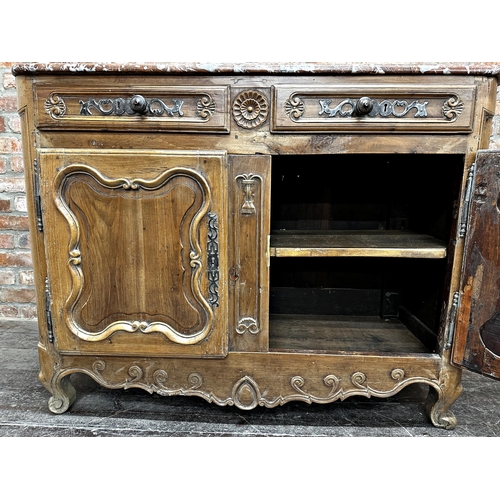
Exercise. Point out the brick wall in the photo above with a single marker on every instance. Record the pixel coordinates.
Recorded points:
(17, 294)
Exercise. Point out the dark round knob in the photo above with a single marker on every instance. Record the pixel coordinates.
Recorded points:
(364, 106)
(138, 104)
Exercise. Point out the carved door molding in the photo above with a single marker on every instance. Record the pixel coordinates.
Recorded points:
(141, 256)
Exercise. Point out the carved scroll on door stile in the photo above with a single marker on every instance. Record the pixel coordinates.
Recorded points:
(192, 272)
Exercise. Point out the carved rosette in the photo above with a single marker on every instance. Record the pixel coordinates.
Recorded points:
(294, 107)
(452, 108)
(55, 106)
(250, 109)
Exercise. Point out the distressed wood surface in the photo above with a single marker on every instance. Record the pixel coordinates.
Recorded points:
(477, 341)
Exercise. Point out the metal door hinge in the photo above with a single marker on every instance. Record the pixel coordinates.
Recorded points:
(38, 198)
(469, 189)
(450, 332)
(48, 314)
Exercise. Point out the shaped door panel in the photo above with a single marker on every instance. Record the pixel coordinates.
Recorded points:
(136, 247)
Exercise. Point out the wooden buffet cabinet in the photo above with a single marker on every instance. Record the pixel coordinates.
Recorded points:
(263, 233)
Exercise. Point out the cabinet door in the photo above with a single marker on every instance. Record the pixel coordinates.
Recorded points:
(476, 344)
(136, 249)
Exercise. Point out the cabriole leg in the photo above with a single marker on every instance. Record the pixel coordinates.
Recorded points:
(444, 395)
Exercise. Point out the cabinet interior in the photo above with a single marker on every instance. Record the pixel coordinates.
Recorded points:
(359, 250)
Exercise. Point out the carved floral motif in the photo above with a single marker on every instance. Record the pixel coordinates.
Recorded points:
(452, 108)
(55, 106)
(294, 107)
(250, 109)
(205, 107)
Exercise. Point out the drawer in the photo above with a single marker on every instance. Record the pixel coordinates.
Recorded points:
(373, 108)
(174, 108)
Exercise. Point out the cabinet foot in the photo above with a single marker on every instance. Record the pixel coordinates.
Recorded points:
(63, 394)
(441, 397)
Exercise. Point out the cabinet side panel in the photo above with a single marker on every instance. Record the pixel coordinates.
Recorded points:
(248, 242)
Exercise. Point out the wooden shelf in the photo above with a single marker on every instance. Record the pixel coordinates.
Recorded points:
(402, 244)
(363, 334)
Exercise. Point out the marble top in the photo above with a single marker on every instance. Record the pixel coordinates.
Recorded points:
(429, 68)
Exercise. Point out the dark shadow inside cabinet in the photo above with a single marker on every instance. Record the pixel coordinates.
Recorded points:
(359, 251)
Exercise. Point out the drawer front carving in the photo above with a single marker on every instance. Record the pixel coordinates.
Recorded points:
(370, 108)
(176, 108)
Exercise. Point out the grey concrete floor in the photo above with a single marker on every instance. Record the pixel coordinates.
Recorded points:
(103, 412)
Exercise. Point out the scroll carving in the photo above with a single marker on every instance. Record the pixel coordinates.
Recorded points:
(213, 260)
(248, 325)
(124, 106)
(385, 108)
(205, 107)
(294, 107)
(453, 108)
(55, 106)
(195, 255)
(245, 393)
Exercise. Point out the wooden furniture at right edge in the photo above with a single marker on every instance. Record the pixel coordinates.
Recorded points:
(358, 230)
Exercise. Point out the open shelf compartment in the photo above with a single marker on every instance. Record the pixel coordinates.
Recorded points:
(378, 228)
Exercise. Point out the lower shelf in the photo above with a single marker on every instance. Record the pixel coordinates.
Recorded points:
(353, 334)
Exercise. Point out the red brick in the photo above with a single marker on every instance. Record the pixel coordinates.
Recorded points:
(2, 166)
(15, 222)
(29, 312)
(8, 312)
(22, 259)
(8, 103)
(2, 124)
(12, 185)
(6, 241)
(5, 206)
(24, 240)
(16, 163)
(10, 145)
(26, 277)
(9, 81)
(7, 278)
(14, 123)
(20, 204)
(23, 295)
